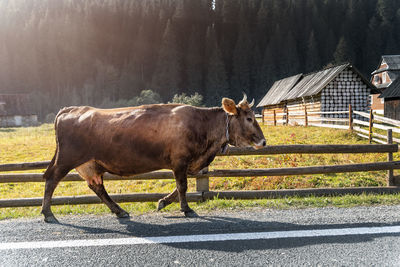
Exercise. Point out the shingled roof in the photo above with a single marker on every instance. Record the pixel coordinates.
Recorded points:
(392, 91)
(279, 90)
(313, 83)
(300, 85)
(393, 62)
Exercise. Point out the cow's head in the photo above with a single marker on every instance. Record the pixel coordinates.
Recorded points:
(243, 127)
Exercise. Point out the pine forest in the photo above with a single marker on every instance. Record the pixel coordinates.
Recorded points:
(114, 52)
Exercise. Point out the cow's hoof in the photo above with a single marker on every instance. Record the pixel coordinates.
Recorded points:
(162, 203)
(191, 214)
(123, 214)
(50, 219)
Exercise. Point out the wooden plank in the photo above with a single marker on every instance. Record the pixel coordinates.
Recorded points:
(387, 120)
(88, 199)
(363, 136)
(37, 177)
(24, 166)
(329, 112)
(243, 151)
(360, 167)
(358, 129)
(71, 177)
(362, 114)
(364, 123)
(329, 119)
(385, 137)
(310, 149)
(265, 194)
(383, 127)
(335, 126)
(378, 141)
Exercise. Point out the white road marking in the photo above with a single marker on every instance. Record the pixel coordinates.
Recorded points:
(200, 238)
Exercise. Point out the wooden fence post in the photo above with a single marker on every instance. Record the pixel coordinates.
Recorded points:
(274, 117)
(263, 116)
(350, 118)
(202, 184)
(287, 116)
(305, 116)
(371, 125)
(390, 177)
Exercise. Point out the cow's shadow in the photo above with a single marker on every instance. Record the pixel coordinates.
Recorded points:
(227, 225)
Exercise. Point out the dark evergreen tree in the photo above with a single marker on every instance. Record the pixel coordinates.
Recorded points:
(342, 52)
(373, 46)
(240, 81)
(166, 77)
(313, 60)
(289, 57)
(194, 64)
(216, 82)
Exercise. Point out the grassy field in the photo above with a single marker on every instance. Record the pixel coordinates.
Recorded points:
(38, 143)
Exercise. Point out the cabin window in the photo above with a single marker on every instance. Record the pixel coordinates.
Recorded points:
(377, 79)
(384, 77)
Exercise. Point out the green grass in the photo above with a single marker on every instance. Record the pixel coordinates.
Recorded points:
(38, 143)
(216, 204)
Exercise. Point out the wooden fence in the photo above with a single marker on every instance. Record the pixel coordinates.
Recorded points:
(363, 123)
(202, 180)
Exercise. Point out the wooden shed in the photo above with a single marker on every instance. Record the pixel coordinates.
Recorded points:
(329, 90)
(391, 95)
(15, 111)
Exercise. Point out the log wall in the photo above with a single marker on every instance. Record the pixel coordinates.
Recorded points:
(347, 88)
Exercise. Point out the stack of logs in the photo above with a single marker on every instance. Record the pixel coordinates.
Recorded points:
(346, 89)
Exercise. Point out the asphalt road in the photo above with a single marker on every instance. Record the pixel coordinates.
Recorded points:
(362, 236)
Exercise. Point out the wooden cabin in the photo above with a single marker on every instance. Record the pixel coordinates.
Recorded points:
(329, 90)
(391, 97)
(382, 78)
(15, 111)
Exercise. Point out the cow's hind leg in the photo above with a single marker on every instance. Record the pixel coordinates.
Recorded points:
(93, 174)
(162, 203)
(53, 176)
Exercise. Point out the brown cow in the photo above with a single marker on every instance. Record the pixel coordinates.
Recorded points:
(128, 141)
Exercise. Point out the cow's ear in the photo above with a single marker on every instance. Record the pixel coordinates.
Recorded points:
(229, 106)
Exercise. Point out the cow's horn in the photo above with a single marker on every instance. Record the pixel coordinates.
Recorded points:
(251, 104)
(244, 97)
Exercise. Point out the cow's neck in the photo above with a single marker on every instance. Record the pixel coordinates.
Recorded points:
(220, 132)
(216, 138)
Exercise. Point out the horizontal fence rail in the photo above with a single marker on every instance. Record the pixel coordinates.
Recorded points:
(202, 179)
(249, 151)
(360, 167)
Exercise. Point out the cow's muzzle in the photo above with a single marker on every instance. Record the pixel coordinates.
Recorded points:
(260, 144)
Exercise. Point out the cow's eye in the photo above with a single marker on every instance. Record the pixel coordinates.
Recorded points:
(249, 119)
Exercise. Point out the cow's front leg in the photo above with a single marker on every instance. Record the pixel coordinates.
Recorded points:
(181, 186)
(162, 203)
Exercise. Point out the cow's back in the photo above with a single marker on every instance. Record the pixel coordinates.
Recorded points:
(124, 140)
